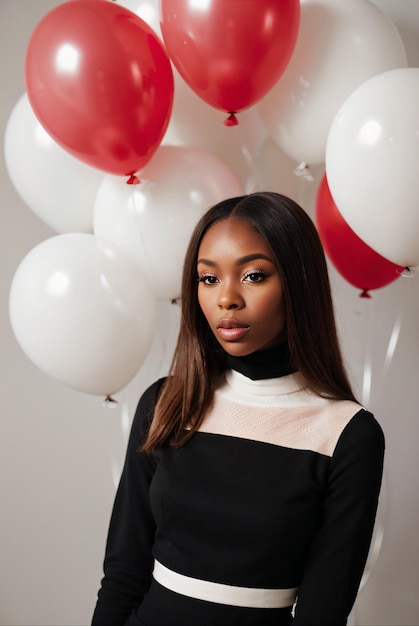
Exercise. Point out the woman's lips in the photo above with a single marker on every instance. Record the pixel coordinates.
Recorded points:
(231, 329)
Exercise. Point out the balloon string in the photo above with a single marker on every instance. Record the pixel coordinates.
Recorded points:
(378, 536)
(171, 329)
(111, 403)
(138, 209)
(367, 371)
(231, 120)
(117, 457)
(391, 349)
(375, 550)
(380, 524)
(376, 545)
(249, 181)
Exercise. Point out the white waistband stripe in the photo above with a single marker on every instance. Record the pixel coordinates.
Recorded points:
(223, 594)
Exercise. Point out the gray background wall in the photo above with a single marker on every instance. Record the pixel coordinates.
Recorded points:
(61, 450)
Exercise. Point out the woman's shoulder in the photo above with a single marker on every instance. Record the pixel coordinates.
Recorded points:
(362, 433)
(365, 425)
(147, 402)
(149, 395)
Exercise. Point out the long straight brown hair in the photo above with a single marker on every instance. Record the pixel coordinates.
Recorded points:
(199, 360)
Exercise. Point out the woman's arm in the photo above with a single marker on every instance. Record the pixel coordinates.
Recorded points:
(340, 550)
(128, 558)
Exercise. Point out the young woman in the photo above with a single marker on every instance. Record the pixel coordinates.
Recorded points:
(252, 475)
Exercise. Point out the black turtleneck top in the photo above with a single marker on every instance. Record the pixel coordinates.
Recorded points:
(271, 363)
(277, 490)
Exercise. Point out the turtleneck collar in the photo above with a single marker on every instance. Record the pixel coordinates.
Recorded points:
(263, 364)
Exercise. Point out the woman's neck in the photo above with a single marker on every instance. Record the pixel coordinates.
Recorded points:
(271, 363)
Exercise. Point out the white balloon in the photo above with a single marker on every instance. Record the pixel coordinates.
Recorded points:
(153, 221)
(372, 164)
(340, 45)
(82, 312)
(58, 188)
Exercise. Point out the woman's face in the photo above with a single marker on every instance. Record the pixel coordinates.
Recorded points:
(240, 288)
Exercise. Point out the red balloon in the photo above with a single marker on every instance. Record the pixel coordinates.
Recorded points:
(230, 52)
(359, 264)
(100, 82)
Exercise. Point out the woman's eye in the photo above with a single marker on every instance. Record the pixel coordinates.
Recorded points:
(208, 279)
(255, 277)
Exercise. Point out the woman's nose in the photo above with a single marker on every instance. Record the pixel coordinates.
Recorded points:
(229, 298)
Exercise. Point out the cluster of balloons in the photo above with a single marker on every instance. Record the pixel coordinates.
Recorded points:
(372, 163)
(93, 117)
(367, 208)
(140, 102)
(339, 102)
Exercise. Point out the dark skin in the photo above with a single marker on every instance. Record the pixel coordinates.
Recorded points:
(240, 288)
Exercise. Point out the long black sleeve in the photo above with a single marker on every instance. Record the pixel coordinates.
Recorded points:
(338, 555)
(128, 559)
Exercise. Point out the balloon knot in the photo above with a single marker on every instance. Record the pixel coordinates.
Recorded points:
(303, 170)
(231, 120)
(408, 272)
(109, 402)
(364, 294)
(133, 180)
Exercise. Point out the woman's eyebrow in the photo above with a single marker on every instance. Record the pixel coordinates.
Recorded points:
(253, 257)
(241, 261)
